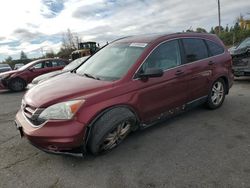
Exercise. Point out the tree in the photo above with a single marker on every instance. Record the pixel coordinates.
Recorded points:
(8, 59)
(69, 44)
(201, 30)
(212, 30)
(227, 29)
(216, 29)
(23, 56)
(50, 54)
(237, 27)
(69, 40)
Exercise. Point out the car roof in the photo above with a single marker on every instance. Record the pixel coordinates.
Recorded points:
(149, 38)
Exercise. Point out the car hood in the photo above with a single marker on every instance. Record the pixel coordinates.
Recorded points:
(46, 76)
(62, 88)
(238, 51)
(9, 72)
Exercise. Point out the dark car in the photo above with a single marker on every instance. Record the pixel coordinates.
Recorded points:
(17, 80)
(18, 66)
(4, 67)
(241, 58)
(130, 84)
(71, 66)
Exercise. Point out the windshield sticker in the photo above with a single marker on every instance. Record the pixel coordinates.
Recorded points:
(141, 45)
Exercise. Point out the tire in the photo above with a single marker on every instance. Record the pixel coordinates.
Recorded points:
(110, 130)
(217, 94)
(17, 84)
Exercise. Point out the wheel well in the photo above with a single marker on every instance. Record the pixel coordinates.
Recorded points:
(226, 82)
(90, 125)
(18, 78)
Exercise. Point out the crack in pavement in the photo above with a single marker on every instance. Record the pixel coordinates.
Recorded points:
(7, 140)
(17, 162)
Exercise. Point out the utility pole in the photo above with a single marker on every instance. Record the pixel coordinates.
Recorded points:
(219, 16)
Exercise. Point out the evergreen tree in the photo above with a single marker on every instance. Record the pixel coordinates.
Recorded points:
(23, 56)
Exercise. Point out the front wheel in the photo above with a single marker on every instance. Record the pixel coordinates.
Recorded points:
(17, 84)
(217, 94)
(110, 130)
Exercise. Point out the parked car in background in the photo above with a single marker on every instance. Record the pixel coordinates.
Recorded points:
(18, 65)
(241, 58)
(4, 67)
(71, 66)
(17, 80)
(132, 83)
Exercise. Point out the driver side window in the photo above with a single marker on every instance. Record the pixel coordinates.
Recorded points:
(164, 57)
(38, 66)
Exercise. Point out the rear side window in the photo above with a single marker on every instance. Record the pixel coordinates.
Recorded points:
(47, 64)
(58, 63)
(214, 48)
(195, 49)
(61, 63)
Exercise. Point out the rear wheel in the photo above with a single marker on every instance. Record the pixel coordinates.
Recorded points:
(17, 84)
(110, 130)
(217, 94)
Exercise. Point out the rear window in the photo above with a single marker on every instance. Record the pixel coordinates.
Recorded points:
(214, 48)
(195, 49)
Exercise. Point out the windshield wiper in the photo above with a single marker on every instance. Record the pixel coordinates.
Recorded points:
(91, 76)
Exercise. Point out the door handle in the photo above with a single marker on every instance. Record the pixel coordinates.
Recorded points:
(179, 72)
(211, 63)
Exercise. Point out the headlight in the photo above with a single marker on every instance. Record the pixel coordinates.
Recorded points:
(61, 111)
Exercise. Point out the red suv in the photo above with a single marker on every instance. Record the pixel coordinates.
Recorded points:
(132, 83)
(17, 80)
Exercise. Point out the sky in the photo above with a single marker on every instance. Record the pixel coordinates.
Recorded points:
(37, 26)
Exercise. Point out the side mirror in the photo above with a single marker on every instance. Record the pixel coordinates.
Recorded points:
(151, 73)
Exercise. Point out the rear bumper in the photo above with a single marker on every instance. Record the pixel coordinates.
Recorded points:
(57, 137)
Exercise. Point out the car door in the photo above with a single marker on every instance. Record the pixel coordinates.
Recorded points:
(198, 67)
(37, 70)
(157, 97)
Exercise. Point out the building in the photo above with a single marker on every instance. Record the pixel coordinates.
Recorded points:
(244, 22)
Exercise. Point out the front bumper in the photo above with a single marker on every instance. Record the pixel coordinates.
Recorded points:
(241, 71)
(2, 86)
(58, 137)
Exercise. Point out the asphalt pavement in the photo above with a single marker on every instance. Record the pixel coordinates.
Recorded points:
(200, 148)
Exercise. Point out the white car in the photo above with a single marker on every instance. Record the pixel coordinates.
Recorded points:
(4, 67)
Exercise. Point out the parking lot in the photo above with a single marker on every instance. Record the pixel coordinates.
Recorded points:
(201, 148)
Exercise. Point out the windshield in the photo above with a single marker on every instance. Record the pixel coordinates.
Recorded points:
(75, 63)
(244, 43)
(26, 66)
(112, 62)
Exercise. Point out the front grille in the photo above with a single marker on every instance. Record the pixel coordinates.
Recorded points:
(32, 114)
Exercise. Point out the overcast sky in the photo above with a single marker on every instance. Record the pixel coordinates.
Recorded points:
(30, 25)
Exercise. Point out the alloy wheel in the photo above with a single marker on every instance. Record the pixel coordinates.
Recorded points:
(116, 136)
(217, 93)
